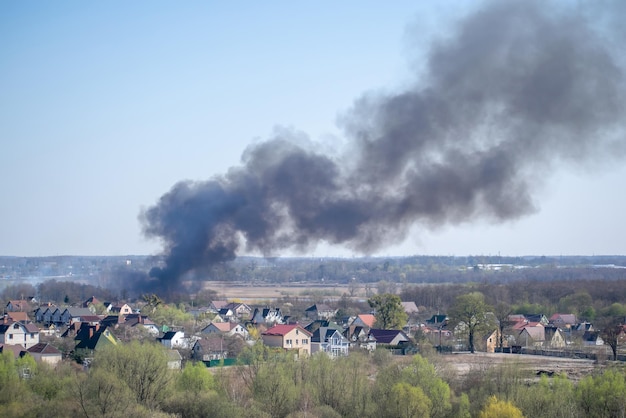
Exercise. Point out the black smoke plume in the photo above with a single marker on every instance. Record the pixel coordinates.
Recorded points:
(516, 89)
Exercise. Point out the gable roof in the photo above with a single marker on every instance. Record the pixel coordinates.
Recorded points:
(438, 320)
(16, 349)
(222, 326)
(76, 312)
(91, 300)
(17, 316)
(29, 327)
(171, 334)
(386, 336)
(284, 329)
(368, 319)
(219, 304)
(409, 307)
(44, 348)
(19, 304)
(210, 344)
(100, 338)
(565, 318)
(324, 333)
(537, 333)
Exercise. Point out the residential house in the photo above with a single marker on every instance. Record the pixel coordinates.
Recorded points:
(18, 305)
(320, 311)
(540, 318)
(288, 336)
(554, 337)
(26, 335)
(16, 349)
(491, 341)
(358, 337)
(43, 314)
(390, 336)
(56, 316)
(90, 319)
(437, 321)
(174, 360)
(142, 321)
(240, 310)
(91, 303)
(532, 336)
(268, 316)
(410, 308)
(592, 339)
(226, 314)
(226, 328)
(94, 337)
(173, 339)
(314, 325)
(16, 316)
(364, 320)
(71, 314)
(45, 353)
(563, 320)
(216, 305)
(121, 309)
(211, 348)
(329, 341)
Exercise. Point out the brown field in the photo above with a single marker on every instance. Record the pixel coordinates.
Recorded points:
(575, 369)
(251, 292)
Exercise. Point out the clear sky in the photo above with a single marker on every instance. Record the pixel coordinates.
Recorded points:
(104, 106)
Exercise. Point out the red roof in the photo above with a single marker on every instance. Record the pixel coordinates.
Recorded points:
(284, 329)
(368, 319)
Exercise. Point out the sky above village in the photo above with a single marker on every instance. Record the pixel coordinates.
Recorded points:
(104, 106)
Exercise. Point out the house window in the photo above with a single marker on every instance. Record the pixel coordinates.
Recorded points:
(305, 341)
(32, 335)
(288, 342)
(296, 342)
(10, 336)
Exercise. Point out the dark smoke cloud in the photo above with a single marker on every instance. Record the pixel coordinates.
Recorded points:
(517, 88)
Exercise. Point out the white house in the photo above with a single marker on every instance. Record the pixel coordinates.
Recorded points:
(14, 333)
(174, 339)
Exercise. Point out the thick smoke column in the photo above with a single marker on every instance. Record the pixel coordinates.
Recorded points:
(518, 88)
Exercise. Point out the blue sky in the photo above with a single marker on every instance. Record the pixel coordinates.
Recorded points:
(106, 105)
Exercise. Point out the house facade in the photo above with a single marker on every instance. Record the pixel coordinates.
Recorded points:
(45, 353)
(289, 337)
(173, 339)
(26, 335)
(329, 341)
(226, 328)
(207, 349)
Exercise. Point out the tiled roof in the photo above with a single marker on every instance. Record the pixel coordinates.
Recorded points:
(385, 336)
(43, 348)
(367, 319)
(283, 329)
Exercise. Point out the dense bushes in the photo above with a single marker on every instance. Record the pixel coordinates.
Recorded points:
(134, 380)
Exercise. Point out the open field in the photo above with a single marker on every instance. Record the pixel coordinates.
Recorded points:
(251, 292)
(575, 369)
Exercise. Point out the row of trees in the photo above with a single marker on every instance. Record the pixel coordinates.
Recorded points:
(133, 379)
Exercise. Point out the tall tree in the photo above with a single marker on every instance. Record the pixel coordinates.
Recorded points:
(470, 311)
(141, 366)
(389, 311)
(612, 329)
(502, 311)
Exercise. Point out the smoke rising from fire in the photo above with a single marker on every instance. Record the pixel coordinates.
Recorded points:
(518, 88)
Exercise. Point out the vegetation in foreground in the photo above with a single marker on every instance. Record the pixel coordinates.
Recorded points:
(133, 379)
